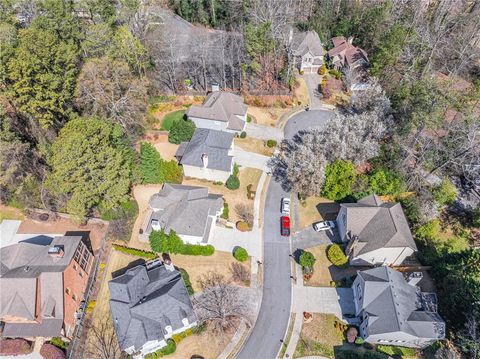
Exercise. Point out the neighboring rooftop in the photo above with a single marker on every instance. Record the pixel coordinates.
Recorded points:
(347, 51)
(207, 146)
(143, 303)
(31, 272)
(394, 305)
(304, 42)
(185, 209)
(221, 106)
(377, 225)
(9, 233)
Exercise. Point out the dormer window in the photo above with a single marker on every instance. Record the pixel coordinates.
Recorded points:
(168, 329)
(185, 322)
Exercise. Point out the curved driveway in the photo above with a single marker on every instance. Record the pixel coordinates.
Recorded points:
(270, 328)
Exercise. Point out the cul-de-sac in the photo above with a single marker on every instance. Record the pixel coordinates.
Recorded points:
(251, 179)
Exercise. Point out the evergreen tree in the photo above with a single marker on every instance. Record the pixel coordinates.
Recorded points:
(150, 164)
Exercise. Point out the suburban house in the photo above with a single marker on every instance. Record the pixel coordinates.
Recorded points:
(208, 155)
(43, 282)
(223, 111)
(376, 233)
(190, 211)
(394, 311)
(345, 55)
(307, 51)
(149, 303)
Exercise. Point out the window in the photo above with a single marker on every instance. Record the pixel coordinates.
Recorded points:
(74, 297)
(75, 266)
(80, 273)
(67, 290)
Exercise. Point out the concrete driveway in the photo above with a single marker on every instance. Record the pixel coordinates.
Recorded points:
(307, 120)
(250, 159)
(326, 300)
(312, 81)
(308, 238)
(226, 239)
(263, 132)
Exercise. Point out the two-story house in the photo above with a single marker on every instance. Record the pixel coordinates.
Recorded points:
(149, 304)
(376, 233)
(190, 211)
(42, 285)
(208, 155)
(222, 111)
(394, 311)
(346, 55)
(307, 51)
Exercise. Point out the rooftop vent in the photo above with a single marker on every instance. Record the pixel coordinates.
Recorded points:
(414, 278)
(26, 268)
(55, 251)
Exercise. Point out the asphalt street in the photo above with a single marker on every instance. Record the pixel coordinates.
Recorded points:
(270, 328)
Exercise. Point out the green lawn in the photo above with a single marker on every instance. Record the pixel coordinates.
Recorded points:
(170, 118)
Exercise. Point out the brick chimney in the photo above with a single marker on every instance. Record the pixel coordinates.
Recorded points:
(167, 262)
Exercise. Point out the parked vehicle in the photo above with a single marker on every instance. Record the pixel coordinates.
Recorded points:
(286, 205)
(285, 226)
(323, 226)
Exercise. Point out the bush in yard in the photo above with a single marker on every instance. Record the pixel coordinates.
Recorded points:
(336, 256)
(181, 131)
(240, 254)
(339, 178)
(226, 211)
(337, 74)
(446, 193)
(307, 259)
(322, 70)
(359, 341)
(271, 143)
(156, 170)
(249, 118)
(49, 351)
(243, 134)
(233, 183)
(59, 343)
(14, 347)
(197, 250)
(134, 251)
(186, 280)
(161, 242)
(301, 72)
(167, 350)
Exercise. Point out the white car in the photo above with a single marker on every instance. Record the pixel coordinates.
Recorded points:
(323, 226)
(286, 205)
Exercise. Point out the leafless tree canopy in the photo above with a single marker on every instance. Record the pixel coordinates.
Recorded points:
(221, 305)
(244, 212)
(102, 343)
(240, 273)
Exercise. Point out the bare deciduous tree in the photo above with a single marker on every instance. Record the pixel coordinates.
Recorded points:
(469, 338)
(221, 304)
(244, 213)
(240, 273)
(102, 343)
(108, 88)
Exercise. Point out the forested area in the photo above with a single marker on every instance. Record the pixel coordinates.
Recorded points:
(75, 78)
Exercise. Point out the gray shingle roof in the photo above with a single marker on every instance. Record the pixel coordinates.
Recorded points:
(307, 42)
(144, 302)
(394, 305)
(28, 273)
(212, 143)
(377, 225)
(221, 106)
(176, 203)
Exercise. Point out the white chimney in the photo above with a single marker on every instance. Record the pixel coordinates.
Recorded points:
(350, 40)
(414, 278)
(215, 87)
(205, 160)
(169, 265)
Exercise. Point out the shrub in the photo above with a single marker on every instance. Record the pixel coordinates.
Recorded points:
(243, 134)
(233, 183)
(271, 143)
(445, 193)
(240, 273)
(161, 242)
(181, 131)
(240, 254)
(385, 182)
(339, 178)
(134, 251)
(335, 73)
(226, 211)
(59, 343)
(186, 280)
(322, 70)
(49, 351)
(14, 347)
(359, 341)
(301, 72)
(336, 256)
(197, 250)
(177, 338)
(249, 118)
(242, 226)
(395, 350)
(167, 350)
(307, 259)
(156, 170)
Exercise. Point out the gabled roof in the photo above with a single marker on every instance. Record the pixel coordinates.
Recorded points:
(221, 106)
(347, 52)
(393, 305)
(174, 203)
(306, 42)
(211, 143)
(144, 302)
(377, 225)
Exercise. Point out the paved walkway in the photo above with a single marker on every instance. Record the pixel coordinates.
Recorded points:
(250, 159)
(263, 132)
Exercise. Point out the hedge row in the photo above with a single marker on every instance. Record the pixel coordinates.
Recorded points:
(197, 250)
(134, 251)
